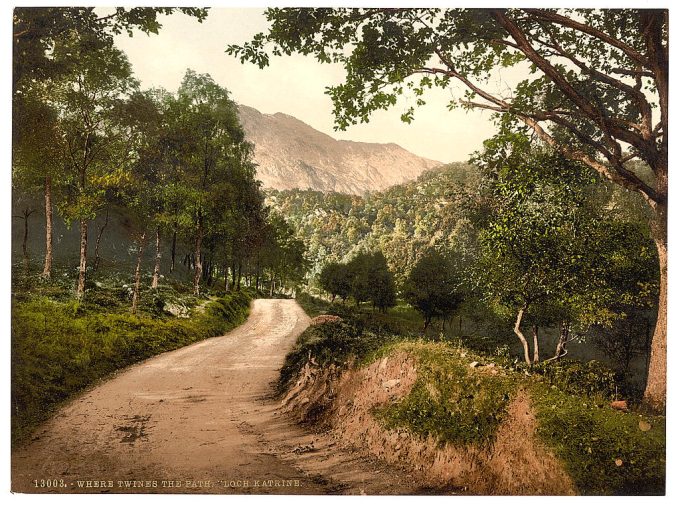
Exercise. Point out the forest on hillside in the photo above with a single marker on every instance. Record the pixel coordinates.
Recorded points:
(577, 253)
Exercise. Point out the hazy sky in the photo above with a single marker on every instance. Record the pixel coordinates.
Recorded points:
(294, 85)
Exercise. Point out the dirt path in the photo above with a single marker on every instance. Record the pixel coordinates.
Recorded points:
(201, 420)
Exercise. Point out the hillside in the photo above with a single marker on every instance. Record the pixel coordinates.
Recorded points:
(291, 154)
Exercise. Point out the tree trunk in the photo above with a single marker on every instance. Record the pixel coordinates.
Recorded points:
(95, 266)
(173, 250)
(561, 349)
(47, 267)
(24, 245)
(226, 278)
(138, 272)
(655, 391)
(534, 330)
(238, 279)
(522, 338)
(198, 267)
(157, 265)
(82, 268)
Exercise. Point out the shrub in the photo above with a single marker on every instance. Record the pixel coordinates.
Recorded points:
(573, 376)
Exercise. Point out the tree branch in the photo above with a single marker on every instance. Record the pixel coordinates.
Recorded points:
(553, 17)
(595, 114)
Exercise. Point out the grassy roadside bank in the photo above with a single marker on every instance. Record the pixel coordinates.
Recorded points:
(461, 397)
(60, 347)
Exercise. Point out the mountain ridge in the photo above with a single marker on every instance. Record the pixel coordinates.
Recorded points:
(291, 154)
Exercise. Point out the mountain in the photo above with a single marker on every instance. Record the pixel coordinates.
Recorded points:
(290, 154)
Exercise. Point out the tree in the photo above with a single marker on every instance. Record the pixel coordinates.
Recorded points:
(37, 155)
(141, 196)
(596, 79)
(371, 280)
(37, 66)
(36, 30)
(212, 151)
(95, 144)
(335, 279)
(549, 249)
(433, 288)
(283, 255)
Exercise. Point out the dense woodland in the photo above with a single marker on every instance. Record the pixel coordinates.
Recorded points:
(176, 164)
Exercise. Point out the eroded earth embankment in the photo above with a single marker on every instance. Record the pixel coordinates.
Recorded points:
(344, 403)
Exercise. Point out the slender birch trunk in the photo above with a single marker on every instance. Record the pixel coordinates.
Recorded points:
(157, 265)
(138, 272)
(47, 267)
(520, 335)
(100, 234)
(82, 268)
(198, 266)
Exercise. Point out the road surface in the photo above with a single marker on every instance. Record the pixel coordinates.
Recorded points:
(200, 419)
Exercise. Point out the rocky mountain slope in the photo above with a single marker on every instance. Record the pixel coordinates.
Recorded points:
(291, 154)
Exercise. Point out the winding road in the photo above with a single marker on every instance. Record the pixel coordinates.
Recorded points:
(200, 419)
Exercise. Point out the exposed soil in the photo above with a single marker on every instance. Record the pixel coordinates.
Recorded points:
(200, 420)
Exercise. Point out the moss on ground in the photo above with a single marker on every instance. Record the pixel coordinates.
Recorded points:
(61, 347)
(451, 400)
(603, 450)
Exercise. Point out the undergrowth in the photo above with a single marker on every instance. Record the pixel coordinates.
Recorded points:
(603, 450)
(450, 401)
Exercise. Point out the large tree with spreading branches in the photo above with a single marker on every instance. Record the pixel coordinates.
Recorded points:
(596, 87)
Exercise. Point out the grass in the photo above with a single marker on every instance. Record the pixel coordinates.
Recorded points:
(61, 346)
(450, 401)
(603, 450)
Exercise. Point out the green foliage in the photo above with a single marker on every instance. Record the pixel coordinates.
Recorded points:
(451, 401)
(589, 438)
(401, 222)
(282, 255)
(552, 244)
(371, 280)
(329, 343)
(312, 305)
(53, 358)
(37, 29)
(335, 278)
(591, 379)
(433, 288)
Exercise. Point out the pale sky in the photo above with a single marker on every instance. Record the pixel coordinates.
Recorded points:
(294, 85)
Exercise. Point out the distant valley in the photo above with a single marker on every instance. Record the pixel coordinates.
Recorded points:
(291, 154)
